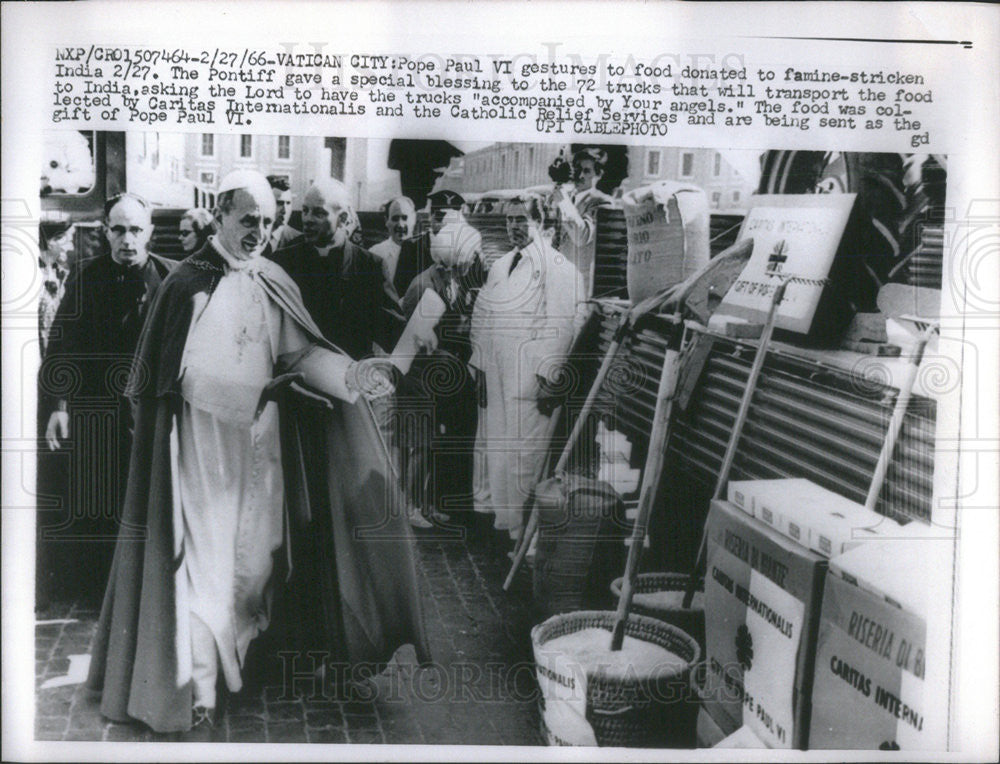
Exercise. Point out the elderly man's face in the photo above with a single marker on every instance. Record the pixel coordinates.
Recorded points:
(243, 231)
(321, 217)
(128, 230)
(519, 225)
(402, 218)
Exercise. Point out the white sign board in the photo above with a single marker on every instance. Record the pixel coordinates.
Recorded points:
(793, 235)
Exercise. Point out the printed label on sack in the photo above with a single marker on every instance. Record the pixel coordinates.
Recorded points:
(566, 727)
(668, 231)
(562, 683)
(774, 624)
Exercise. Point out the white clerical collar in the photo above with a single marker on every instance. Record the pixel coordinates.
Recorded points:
(324, 251)
(235, 263)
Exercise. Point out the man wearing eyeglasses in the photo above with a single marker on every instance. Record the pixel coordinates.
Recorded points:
(91, 342)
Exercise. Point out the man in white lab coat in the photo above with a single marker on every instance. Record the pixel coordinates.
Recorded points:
(523, 324)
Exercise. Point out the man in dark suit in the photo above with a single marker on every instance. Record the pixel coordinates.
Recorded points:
(343, 286)
(282, 233)
(82, 379)
(400, 252)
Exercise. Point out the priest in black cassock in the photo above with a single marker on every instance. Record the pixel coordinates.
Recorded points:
(343, 286)
(84, 467)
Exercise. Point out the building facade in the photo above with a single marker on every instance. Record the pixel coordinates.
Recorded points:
(501, 165)
(301, 160)
(523, 165)
(726, 186)
(155, 169)
(359, 163)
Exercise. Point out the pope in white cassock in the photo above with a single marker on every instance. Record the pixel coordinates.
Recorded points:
(207, 485)
(523, 324)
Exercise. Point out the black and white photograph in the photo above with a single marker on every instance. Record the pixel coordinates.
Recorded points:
(609, 381)
(570, 444)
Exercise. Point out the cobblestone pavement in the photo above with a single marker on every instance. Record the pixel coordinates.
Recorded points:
(480, 690)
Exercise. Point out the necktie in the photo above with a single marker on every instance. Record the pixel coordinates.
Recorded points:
(515, 261)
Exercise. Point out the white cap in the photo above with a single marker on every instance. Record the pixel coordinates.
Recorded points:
(250, 180)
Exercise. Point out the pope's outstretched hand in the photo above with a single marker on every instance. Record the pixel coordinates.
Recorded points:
(372, 377)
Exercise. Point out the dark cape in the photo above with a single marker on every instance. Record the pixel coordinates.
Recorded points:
(414, 259)
(365, 601)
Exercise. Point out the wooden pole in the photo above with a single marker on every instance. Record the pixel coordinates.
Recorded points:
(531, 526)
(670, 297)
(734, 436)
(896, 422)
(650, 479)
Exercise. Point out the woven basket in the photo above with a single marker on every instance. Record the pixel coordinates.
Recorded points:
(657, 711)
(690, 621)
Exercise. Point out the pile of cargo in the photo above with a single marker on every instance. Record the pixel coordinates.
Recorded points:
(815, 620)
(807, 604)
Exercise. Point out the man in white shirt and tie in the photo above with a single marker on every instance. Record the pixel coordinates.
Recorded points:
(400, 222)
(524, 322)
(281, 232)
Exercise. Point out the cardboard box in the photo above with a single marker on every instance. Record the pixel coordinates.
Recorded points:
(762, 594)
(869, 690)
(742, 738)
(832, 532)
(740, 493)
(813, 516)
(747, 494)
(799, 235)
(708, 732)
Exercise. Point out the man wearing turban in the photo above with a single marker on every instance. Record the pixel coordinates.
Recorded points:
(437, 463)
